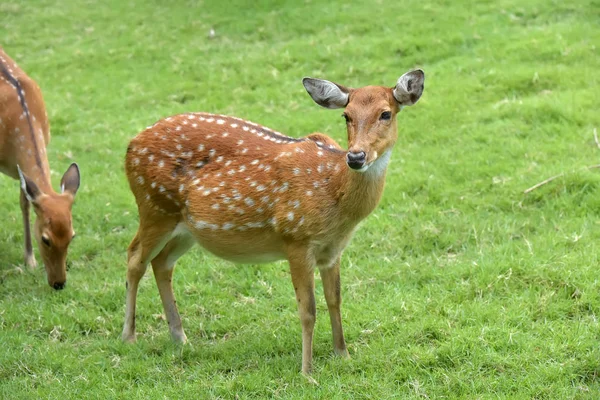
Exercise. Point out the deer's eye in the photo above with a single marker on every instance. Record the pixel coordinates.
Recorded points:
(386, 115)
(346, 117)
(46, 240)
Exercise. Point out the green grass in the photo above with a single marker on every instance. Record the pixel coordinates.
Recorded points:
(458, 285)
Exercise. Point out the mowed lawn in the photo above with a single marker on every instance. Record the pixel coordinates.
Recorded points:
(459, 285)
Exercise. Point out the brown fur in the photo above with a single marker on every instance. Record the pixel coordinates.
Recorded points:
(249, 194)
(24, 135)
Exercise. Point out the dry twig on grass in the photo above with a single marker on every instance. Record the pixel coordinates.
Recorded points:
(542, 183)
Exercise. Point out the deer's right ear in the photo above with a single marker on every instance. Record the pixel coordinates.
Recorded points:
(32, 192)
(327, 94)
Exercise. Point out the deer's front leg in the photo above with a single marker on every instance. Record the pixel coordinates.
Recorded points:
(29, 257)
(303, 278)
(330, 275)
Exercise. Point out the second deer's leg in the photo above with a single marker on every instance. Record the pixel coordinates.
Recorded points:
(144, 246)
(332, 288)
(135, 272)
(303, 278)
(163, 265)
(29, 257)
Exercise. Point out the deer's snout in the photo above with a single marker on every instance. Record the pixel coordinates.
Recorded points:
(356, 160)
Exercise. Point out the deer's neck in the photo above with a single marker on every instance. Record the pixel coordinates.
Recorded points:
(32, 159)
(360, 192)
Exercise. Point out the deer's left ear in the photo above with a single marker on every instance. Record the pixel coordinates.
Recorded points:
(327, 94)
(70, 180)
(32, 192)
(409, 88)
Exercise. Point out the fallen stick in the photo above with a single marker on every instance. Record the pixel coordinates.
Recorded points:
(542, 183)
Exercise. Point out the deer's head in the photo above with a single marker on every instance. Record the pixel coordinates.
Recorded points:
(370, 114)
(53, 228)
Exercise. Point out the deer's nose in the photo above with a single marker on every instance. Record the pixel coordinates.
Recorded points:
(59, 285)
(356, 160)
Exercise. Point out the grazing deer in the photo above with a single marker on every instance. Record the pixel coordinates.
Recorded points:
(24, 135)
(249, 194)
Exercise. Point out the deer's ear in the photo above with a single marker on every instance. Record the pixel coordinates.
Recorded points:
(409, 87)
(32, 192)
(327, 94)
(70, 180)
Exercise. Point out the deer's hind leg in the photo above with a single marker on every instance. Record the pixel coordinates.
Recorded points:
(163, 265)
(149, 240)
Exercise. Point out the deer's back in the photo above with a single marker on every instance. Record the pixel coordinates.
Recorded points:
(24, 129)
(223, 174)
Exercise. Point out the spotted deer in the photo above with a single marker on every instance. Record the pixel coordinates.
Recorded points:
(24, 135)
(249, 194)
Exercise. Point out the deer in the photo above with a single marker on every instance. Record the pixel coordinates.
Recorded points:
(249, 194)
(24, 137)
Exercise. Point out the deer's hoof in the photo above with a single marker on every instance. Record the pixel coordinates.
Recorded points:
(30, 261)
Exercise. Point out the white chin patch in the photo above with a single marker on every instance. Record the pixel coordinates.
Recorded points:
(379, 166)
(363, 168)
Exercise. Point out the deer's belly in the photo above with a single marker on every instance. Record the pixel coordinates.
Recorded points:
(246, 248)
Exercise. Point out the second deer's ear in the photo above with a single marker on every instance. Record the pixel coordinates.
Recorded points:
(32, 192)
(327, 94)
(70, 180)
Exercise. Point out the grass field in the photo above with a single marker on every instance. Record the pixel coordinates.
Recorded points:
(458, 286)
